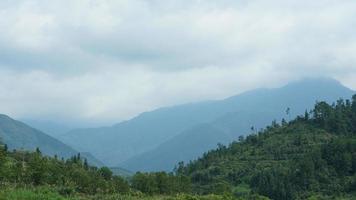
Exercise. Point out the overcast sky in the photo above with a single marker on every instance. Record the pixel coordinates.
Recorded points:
(106, 61)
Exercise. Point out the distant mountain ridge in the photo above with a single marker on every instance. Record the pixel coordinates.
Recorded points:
(257, 108)
(157, 140)
(311, 157)
(17, 135)
(49, 127)
(118, 143)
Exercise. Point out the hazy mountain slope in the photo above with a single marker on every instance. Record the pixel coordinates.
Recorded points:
(91, 159)
(18, 135)
(118, 171)
(51, 128)
(146, 132)
(195, 141)
(181, 147)
(313, 155)
(256, 108)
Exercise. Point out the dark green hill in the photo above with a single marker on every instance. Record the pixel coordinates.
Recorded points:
(158, 139)
(315, 154)
(255, 108)
(19, 136)
(310, 157)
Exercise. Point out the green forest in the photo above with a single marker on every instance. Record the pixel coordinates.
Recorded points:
(310, 157)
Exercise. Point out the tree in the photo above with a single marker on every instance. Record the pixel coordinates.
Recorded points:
(273, 183)
(304, 172)
(306, 115)
(353, 109)
(288, 113)
(120, 185)
(241, 138)
(144, 183)
(86, 165)
(106, 173)
(322, 113)
(38, 151)
(2, 161)
(179, 169)
(36, 168)
(354, 163)
(284, 123)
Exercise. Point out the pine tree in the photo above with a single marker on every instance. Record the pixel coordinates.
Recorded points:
(86, 165)
(353, 109)
(306, 115)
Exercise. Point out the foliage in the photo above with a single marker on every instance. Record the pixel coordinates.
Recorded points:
(23, 169)
(160, 183)
(311, 157)
(72, 175)
(28, 194)
(315, 154)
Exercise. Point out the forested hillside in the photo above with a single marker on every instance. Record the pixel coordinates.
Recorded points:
(313, 155)
(31, 176)
(20, 136)
(310, 157)
(255, 108)
(157, 140)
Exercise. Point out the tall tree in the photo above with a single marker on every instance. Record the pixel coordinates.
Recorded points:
(353, 108)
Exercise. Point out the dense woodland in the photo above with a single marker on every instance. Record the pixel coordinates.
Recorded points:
(313, 155)
(310, 157)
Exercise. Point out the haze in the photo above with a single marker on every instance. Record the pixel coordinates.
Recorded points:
(106, 61)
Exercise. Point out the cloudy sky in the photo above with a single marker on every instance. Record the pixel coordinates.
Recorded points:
(106, 61)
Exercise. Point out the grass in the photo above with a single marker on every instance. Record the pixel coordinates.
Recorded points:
(46, 193)
(30, 194)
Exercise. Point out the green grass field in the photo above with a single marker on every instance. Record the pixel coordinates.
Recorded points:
(45, 193)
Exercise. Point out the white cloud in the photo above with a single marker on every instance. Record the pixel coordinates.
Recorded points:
(109, 60)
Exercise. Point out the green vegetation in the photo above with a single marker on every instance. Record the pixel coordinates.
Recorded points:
(18, 135)
(28, 194)
(21, 168)
(311, 157)
(159, 139)
(31, 176)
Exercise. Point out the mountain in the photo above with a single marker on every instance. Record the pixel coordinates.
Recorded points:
(192, 142)
(158, 139)
(311, 157)
(120, 142)
(118, 171)
(255, 108)
(18, 135)
(49, 127)
(92, 160)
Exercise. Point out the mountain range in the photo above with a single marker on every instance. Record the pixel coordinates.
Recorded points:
(51, 128)
(19, 136)
(159, 139)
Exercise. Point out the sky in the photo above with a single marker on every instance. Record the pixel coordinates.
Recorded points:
(105, 61)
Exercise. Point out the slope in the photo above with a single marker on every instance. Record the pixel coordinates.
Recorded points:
(18, 135)
(253, 109)
(313, 155)
(49, 127)
(148, 131)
